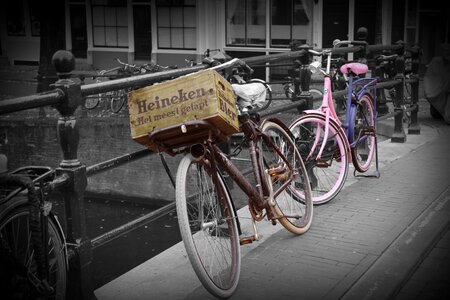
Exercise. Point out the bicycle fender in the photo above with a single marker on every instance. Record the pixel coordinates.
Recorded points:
(22, 200)
(276, 121)
(61, 235)
(312, 112)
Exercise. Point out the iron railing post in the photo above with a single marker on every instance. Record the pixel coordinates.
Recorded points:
(79, 282)
(305, 77)
(414, 127)
(399, 135)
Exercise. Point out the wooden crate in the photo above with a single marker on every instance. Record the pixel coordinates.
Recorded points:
(202, 95)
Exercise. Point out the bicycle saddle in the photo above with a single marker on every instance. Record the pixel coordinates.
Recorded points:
(355, 68)
(250, 94)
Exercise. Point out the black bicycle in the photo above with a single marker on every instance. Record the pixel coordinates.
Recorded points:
(33, 252)
(118, 98)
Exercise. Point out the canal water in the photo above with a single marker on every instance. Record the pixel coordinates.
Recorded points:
(125, 252)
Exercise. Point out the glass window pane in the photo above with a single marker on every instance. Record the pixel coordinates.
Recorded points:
(110, 16)
(99, 36)
(122, 37)
(190, 38)
(176, 17)
(281, 12)
(177, 37)
(256, 22)
(110, 36)
(235, 22)
(302, 15)
(122, 16)
(164, 37)
(163, 16)
(189, 17)
(98, 16)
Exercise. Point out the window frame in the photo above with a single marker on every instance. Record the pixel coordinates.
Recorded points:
(112, 28)
(171, 28)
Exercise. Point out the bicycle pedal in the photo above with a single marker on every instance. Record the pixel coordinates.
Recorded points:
(368, 131)
(322, 164)
(247, 240)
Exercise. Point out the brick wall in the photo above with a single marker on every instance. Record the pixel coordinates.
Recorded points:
(33, 141)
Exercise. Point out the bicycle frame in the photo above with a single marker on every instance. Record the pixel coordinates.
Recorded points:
(212, 157)
(328, 111)
(365, 84)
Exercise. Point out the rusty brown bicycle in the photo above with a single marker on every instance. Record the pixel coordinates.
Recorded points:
(279, 190)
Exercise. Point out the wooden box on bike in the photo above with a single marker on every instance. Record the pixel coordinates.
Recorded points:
(204, 95)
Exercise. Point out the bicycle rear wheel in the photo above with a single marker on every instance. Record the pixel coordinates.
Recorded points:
(15, 236)
(363, 146)
(297, 215)
(208, 227)
(328, 175)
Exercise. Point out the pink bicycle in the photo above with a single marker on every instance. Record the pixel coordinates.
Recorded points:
(328, 144)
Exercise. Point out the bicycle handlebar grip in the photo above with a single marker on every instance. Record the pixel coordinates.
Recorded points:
(247, 68)
(315, 52)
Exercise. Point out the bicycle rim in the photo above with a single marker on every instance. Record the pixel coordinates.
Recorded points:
(91, 102)
(297, 212)
(328, 177)
(364, 147)
(15, 230)
(118, 99)
(208, 228)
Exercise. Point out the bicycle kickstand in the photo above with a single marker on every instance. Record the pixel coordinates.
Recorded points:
(376, 173)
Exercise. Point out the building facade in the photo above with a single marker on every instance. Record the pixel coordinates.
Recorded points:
(170, 31)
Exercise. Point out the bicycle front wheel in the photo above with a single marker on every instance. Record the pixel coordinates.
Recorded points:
(16, 249)
(296, 214)
(208, 227)
(118, 99)
(92, 101)
(363, 146)
(328, 174)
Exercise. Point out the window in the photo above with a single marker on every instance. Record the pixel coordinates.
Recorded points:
(110, 23)
(15, 20)
(290, 20)
(142, 31)
(176, 24)
(246, 23)
(35, 22)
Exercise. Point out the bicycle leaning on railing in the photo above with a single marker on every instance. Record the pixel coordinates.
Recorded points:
(117, 98)
(206, 214)
(33, 252)
(328, 144)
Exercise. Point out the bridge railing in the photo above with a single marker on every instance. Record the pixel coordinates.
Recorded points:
(67, 95)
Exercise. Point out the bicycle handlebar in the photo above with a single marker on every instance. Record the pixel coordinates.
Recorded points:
(124, 63)
(338, 43)
(382, 58)
(231, 63)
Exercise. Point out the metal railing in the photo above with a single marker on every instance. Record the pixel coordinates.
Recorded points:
(68, 95)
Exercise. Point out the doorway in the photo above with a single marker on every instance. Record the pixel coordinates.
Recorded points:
(78, 30)
(142, 32)
(335, 21)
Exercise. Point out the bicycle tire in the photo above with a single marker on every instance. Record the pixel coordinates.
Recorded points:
(118, 99)
(208, 228)
(15, 231)
(362, 150)
(328, 179)
(288, 203)
(92, 101)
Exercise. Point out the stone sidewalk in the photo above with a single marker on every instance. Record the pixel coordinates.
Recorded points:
(365, 244)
